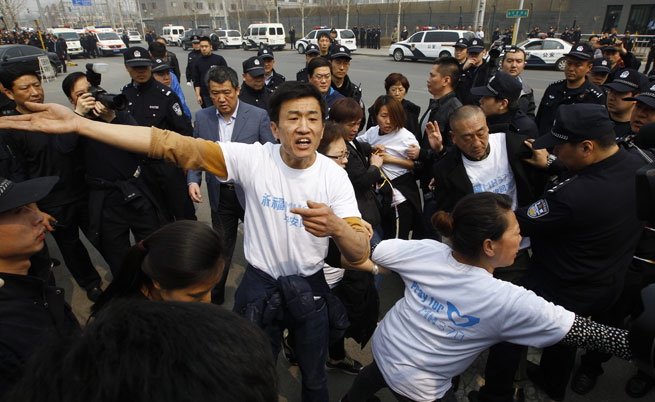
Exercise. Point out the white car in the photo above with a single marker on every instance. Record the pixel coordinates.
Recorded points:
(261, 35)
(345, 37)
(228, 38)
(546, 52)
(72, 39)
(429, 45)
(134, 36)
(109, 43)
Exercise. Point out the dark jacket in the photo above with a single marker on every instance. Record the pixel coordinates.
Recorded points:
(191, 57)
(171, 60)
(31, 314)
(412, 113)
(200, 67)
(256, 98)
(363, 177)
(61, 48)
(451, 182)
(515, 121)
(275, 81)
(331, 97)
(628, 60)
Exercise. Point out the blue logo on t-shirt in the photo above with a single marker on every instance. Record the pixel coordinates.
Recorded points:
(458, 319)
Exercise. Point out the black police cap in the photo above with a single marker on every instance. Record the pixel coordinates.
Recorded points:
(337, 52)
(265, 53)
(601, 65)
(137, 57)
(14, 195)
(475, 45)
(581, 51)
(462, 43)
(501, 85)
(254, 66)
(628, 80)
(646, 96)
(575, 123)
(312, 49)
(160, 65)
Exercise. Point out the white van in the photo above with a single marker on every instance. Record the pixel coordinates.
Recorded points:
(72, 40)
(172, 34)
(109, 43)
(264, 35)
(345, 37)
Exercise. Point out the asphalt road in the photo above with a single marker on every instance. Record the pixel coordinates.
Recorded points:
(370, 71)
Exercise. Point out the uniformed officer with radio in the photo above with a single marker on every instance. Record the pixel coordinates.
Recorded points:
(311, 52)
(154, 104)
(583, 233)
(575, 88)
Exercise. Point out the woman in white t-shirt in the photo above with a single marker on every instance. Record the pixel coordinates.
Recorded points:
(401, 207)
(453, 307)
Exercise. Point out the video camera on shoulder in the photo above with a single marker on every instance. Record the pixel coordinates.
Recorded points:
(94, 75)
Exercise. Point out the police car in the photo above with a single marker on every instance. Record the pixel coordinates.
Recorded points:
(430, 44)
(228, 38)
(345, 37)
(546, 52)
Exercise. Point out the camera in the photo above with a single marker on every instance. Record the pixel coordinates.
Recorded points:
(94, 75)
(609, 41)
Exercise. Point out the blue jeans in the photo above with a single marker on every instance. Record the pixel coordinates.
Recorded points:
(311, 347)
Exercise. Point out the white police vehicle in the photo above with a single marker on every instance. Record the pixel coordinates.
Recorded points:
(546, 52)
(345, 37)
(430, 44)
(228, 38)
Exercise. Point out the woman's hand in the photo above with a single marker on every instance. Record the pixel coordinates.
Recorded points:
(85, 104)
(413, 151)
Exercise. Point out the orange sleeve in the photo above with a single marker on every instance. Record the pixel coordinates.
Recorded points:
(356, 224)
(187, 152)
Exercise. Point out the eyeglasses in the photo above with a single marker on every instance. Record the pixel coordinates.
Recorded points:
(341, 157)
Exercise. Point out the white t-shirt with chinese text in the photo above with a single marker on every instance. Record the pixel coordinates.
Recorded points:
(450, 313)
(396, 144)
(275, 240)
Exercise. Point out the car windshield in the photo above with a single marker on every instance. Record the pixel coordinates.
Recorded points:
(70, 36)
(525, 42)
(347, 34)
(233, 34)
(108, 36)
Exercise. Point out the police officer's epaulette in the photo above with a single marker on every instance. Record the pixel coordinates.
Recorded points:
(166, 91)
(301, 70)
(125, 87)
(562, 184)
(269, 90)
(595, 92)
(283, 77)
(557, 82)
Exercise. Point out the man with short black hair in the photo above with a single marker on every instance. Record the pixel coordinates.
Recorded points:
(575, 88)
(324, 41)
(319, 74)
(227, 121)
(513, 63)
(253, 90)
(200, 67)
(158, 49)
(272, 78)
(340, 61)
(627, 84)
(295, 199)
(38, 155)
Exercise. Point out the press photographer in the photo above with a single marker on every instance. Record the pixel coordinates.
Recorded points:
(619, 57)
(119, 200)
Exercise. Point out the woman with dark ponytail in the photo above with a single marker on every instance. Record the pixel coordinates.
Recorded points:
(180, 262)
(454, 309)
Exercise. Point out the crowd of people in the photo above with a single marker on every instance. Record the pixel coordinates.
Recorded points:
(481, 196)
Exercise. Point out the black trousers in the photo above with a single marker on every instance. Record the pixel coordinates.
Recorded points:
(70, 219)
(167, 183)
(405, 221)
(117, 222)
(370, 380)
(226, 222)
(207, 101)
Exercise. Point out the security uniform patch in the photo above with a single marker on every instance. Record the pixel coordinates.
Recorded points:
(538, 209)
(177, 109)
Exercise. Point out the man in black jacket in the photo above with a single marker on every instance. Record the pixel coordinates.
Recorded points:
(38, 156)
(474, 63)
(200, 67)
(31, 312)
(254, 91)
(169, 57)
(500, 103)
(193, 55)
(340, 60)
(272, 78)
(62, 51)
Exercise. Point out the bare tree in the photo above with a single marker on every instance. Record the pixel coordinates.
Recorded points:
(304, 10)
(11, 9)
(266, 6)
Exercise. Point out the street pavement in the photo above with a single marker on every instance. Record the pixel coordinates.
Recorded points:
(368, 67)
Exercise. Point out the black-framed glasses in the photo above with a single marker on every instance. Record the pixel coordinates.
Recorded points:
(343, 156)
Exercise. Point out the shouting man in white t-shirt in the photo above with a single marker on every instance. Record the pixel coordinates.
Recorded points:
(295, 200)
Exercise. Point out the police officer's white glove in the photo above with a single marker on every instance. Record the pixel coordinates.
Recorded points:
(189, 84)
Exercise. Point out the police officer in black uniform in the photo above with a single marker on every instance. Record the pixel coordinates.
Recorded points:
(628, 83)
(154, 104)
(119, 199)
(311, 53)
(273, 78)
(583, 234)
(254, 91)
(195, 42)
(461, 47)
(575, 88)
(340, 59)
(474, 63)
(500, 103)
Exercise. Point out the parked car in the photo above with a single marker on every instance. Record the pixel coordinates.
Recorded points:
(109, 43)
(262, 35)
(345, 37)
(12, 54)
(200, 32)
(135, 37)
(229, 38)
(546, 52)
(429, 45)
(172, 34)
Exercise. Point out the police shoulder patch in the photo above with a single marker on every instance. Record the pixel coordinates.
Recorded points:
(538, 209)
(557, 82)
(177, 109)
